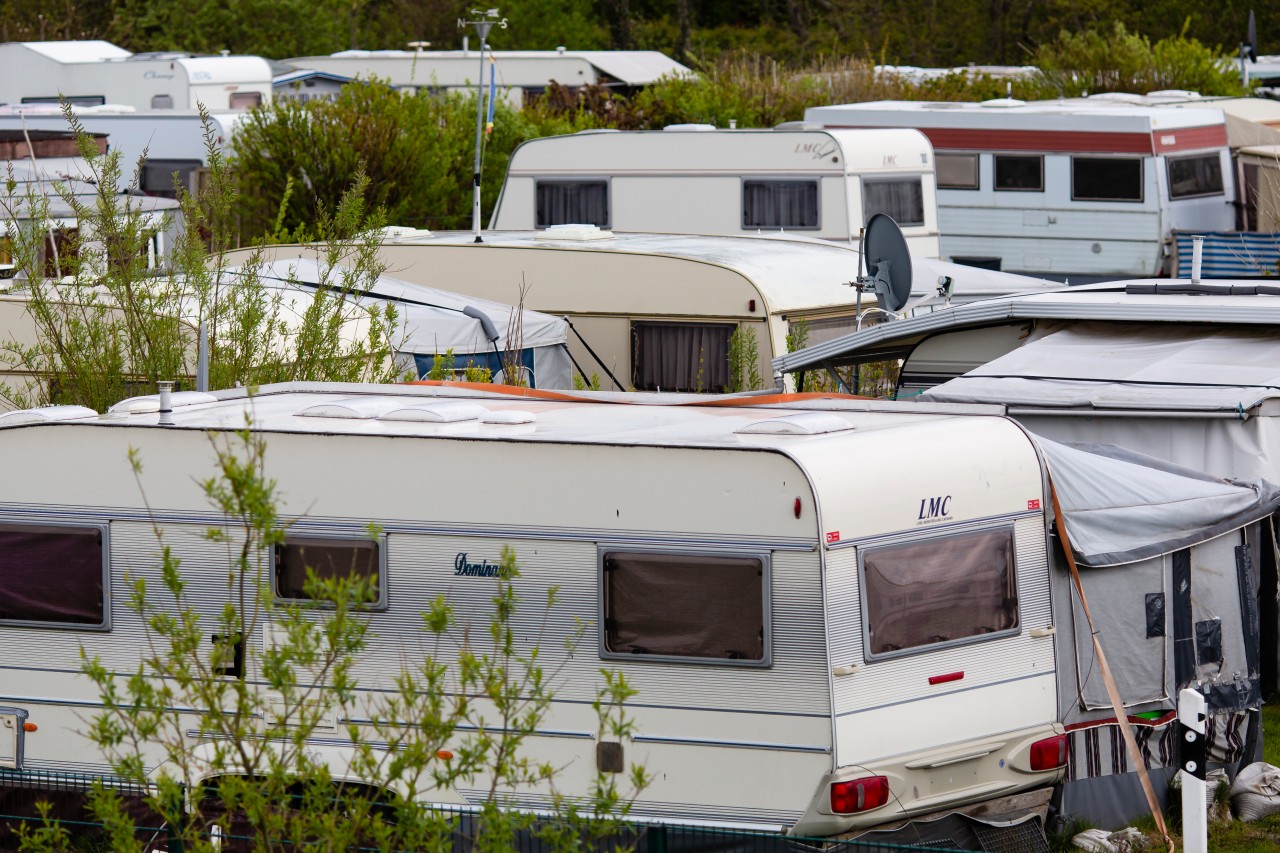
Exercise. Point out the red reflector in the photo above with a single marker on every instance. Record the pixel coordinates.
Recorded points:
(943, 679)
(797, 507)
(859, 795)
(1049, 753)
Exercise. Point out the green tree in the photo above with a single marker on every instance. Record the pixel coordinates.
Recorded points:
(106, 324)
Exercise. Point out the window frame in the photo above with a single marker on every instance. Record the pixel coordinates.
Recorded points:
(778, 179)
(104, 531)
(766, 586)
(913, 177)
(864, 608)
(1216, 157)
(975, 156)
(584, 179)
(995, 172)
(1142, 179)
(383, 600)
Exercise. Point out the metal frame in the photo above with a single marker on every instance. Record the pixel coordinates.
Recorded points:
(766, 584)
(1142, 179)
(383, 601)
(870, 657)
(794, 179)
(607, 180)
(104, 530)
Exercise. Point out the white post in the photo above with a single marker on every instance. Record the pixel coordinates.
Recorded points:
(1195, 819)
(1197, 258)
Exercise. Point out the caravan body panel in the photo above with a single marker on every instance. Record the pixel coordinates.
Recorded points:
(708, 181)
(668, 480)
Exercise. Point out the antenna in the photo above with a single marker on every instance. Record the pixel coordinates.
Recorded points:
(888, 265)
(1248, 50)
(483, 20)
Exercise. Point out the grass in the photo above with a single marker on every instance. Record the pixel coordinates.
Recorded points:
(1234, 836)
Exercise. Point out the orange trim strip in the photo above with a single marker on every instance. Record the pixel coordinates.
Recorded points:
(564, 397)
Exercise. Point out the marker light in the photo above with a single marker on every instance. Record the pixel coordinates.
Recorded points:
(1049, 753)
(859, 795)
(797, 507)
(29, 727)
(444, 754)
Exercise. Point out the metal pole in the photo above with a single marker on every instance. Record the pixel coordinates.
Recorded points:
(1195, 823)
(202, 358)
(482, 27)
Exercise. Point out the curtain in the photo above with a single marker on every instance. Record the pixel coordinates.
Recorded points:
(52, 574)
(779, 204)
(680, 356)
(572, 203)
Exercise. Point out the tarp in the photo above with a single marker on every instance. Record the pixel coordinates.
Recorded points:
(1128, 366)
(1228, 254)
(434, 321)
(1122, 507)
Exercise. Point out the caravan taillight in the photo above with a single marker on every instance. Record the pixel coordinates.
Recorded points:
(859, 795)
(1049, 753)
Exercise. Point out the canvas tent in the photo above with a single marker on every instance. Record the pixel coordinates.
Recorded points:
(1168, 565)
(1196, 610)
(435, 321)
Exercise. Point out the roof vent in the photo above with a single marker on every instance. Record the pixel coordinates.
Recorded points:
(681, 128)
(151, 402)
(355, 408)
(400, 233)
(1003, 103)
(435, 413)
(575, 233)
(803, 423)
(46, 414)
(508, 417)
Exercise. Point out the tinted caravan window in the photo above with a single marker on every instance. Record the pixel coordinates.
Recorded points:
(329, 559)
(53, 575)
(680, 356)
(957, 171)
(901, 198)
(944, 590)
(1106, 179)
(1023, 172)
(1193, 176)
(779, 204)
(684, 606)
(572, 203)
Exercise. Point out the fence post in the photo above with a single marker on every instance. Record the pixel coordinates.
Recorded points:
(1191, 730)
(175, 838)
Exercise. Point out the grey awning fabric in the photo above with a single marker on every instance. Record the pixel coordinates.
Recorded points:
(1170, 367)
(1121, 506)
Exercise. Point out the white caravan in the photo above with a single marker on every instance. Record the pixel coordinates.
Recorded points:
(1067, 189)
(657, 311)
(695, 179)
(92, 73)
(852, 713)
(517, 74)
(161, 142)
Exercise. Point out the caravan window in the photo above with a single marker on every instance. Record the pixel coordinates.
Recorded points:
(1019, 172)
(779, 204)
(947, 590)
(53, 575)
(1106, 179)
(1194, 176)
(680, 356)
(901, 198)
(157, 176)
(572, 203)
(328, 559)
(245, 100)
(956, 171)
(709, 607)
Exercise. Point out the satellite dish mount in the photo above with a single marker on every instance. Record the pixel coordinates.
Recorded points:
(888, 264)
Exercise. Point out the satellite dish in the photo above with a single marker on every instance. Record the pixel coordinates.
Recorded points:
(888, 262)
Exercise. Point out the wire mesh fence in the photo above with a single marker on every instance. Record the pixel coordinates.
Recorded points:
(33, 799)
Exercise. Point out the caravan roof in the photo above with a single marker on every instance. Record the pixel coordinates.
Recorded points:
(1039, 125)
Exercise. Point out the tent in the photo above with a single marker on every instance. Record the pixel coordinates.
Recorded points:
(1190, 604)
(435, 321)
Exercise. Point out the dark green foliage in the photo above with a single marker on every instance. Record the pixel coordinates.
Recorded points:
(417, 151)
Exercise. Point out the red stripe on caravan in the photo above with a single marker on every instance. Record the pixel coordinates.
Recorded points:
(1190, 138)
(975, 139)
